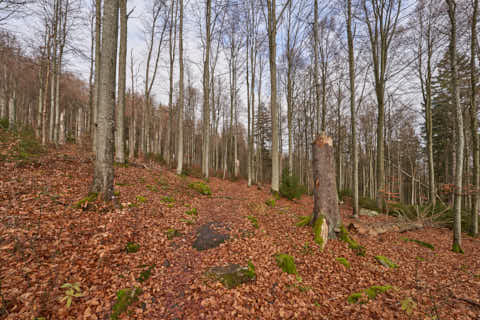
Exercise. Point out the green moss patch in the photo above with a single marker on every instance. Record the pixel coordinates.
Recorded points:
(457, 249)
(172, 233)
(270, 202)
(192, 212)
(370, 293)
(125, 298)
(200, 187)
(254, 221)
(384, 261)
(317, 231)
(168, 199)
(357, 248)
(145, 274)
(356, 297)
(343, 261)
(152, 188)
(303, 221)
(132, 247)
(83, 203)
(233, 275)
(286, 263)
(187, 221)
(421, 243)
(141, 199)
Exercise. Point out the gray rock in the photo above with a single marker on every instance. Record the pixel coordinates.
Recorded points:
(232, 275)
(207, 238)
(367, 212)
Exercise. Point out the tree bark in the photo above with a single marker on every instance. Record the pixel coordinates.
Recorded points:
(181, 94)
(325, 187)
(459, 146)
(98, 56)
(206, 93)
(122, 80)
(474, 124)
(353, 113)
(103, 170)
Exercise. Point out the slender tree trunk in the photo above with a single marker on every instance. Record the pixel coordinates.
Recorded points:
(206, 93)
(103, 169)
(457, 228)
(122, 80)
(98, 56)
(474, 124)
(315, 67)
(272, 45)
(353, 113)
(12, 110)
(181, 94)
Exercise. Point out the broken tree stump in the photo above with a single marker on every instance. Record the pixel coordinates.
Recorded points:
(325, 184)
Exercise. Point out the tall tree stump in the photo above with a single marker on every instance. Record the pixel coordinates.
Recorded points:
(325, 185)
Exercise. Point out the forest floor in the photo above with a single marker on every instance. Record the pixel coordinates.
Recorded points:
(45, 242)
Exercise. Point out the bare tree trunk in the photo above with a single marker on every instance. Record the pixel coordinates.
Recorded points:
(353, 113)
(12, 110)
(457, 228)
(181, 94)
(122, 79)
(103, 173)
(474, 124)
(206, 93)
(272, 21)
(315, 67)
(325, 188)
(98, 56)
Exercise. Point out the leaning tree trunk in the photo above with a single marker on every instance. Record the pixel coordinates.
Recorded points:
(325, 186)
(103, 171)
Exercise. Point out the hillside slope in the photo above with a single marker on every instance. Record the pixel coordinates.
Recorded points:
(46, 241)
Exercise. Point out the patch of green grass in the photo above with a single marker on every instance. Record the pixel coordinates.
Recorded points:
(192, 212)
(152, 188)
(132, 247)
(125, 298)
(254, 221)
(370, 293)
(168, 199)
(357, 248)
(384, 261)
(172, 233)
(141, 199)
(116, 193)
(83, 203)
(343, 261)
(303, 221)
(145, 274)
(187, 221)
(421, 243)
(286, 263)
(200, 187)
(270, 202)
(356, 297)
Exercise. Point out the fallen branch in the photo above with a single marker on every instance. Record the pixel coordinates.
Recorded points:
(473, 303)
(380, 228)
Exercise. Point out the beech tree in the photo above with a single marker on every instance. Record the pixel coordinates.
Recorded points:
(457, 226)
(103, 168)
(381, 17)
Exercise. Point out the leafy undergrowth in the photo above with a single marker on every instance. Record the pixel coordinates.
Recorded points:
(45, 242)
